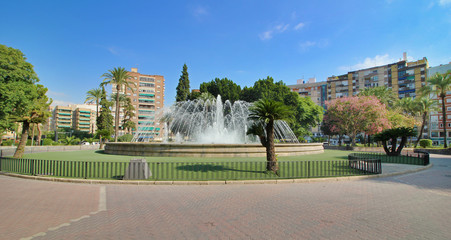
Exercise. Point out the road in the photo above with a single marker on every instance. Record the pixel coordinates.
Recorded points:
(410, 206)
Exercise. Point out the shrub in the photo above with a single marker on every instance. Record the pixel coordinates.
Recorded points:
(8, 142)
(424, 143)
(125, 138)
(47, 142)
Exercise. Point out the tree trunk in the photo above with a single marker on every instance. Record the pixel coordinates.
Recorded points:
(421, 130)
(444, 120)
(23, 140)
(116, 128)
(32, 134)
(401, 146)
(39, 135)
(100, 142)
(270, 148)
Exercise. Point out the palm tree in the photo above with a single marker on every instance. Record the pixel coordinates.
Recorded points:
(265, 112)
(384, 94)
(94, 95)
(119, 77)
(424, 106)
(441, 83)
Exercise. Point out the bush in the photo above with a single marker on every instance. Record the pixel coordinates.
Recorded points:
(424, 143)
(47, 142)
(125, 138)
(8, 142)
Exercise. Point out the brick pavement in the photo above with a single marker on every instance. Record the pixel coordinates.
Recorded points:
(412, 206)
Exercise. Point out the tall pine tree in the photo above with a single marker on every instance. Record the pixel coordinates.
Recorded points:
(105, 120)
(183, 86)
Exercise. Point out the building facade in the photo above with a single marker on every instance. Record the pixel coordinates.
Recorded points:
(147, 96)
(403, 77)
(436, 126)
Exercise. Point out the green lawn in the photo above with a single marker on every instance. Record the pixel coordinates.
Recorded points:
(98, 155)
(97, 165)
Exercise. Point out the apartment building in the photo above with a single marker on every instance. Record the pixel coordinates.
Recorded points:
(147, 97)
(84, 120)
(403, 77)
(436, 127)
(62, 117)
(317, 91)
(80, 117)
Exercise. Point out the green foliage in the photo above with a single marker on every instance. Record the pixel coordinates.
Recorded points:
(125, 138)
(8, 142)
(224, 87)
(94, 95)
(17, 86)
(183, 86)
(105, 120)
(394, 133)
(47, 142)
(384, 94)
(129, 113)
(118, 76)
(306, 114)
(425, 143)
(391, 136)
(70, 140)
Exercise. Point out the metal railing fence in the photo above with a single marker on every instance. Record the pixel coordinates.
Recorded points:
(238, 170)
(407, 157)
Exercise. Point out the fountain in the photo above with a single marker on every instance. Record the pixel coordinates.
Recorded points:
(211, 128)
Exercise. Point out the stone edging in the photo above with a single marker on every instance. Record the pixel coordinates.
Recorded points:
(225, 182)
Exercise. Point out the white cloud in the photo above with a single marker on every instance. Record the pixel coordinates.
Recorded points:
(200, 11)
(378, 60)
(444, 2)
(274, 30)
(299, 26)
(305, 46)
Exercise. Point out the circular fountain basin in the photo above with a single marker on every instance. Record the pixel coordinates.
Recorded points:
(209, 150)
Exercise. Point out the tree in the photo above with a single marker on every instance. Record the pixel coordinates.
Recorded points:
(384, 94)
(38, 114)
(352, 115)
(265, 112)
(424, 106)
(105, 120)
(119, 77)
(94, 95)
(440, 84)
(224, 87)
(183, 86)
(17, 90)
(391, 136)
(129, 113)
(306, 114)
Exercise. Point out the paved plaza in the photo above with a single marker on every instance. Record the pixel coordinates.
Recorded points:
(408, 206)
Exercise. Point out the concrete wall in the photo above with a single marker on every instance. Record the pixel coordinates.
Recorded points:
(209, 150)
(9, 151)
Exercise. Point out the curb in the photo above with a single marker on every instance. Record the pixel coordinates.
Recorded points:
(224, 182)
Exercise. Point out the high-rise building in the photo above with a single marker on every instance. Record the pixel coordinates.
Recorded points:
(403, 77)
(62, 117)
(84, 120)
(317, 91)
(436, 125)
(147, 96)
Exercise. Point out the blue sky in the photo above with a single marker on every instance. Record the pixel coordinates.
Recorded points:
(72, 43)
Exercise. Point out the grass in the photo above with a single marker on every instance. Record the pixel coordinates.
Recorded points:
(99, 155)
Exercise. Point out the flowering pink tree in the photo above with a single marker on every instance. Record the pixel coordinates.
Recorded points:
(352, 115)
